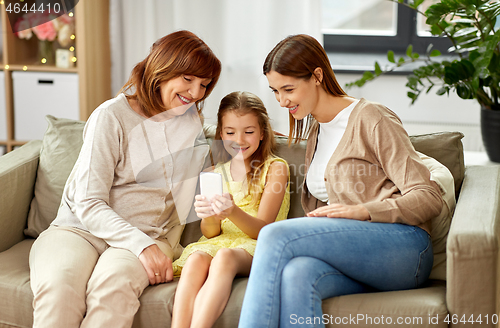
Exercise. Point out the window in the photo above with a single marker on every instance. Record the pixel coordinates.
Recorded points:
(376, 26)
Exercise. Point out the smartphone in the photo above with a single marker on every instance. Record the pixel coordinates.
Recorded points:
(210, 184)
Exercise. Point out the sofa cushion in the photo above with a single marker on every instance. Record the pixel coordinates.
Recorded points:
(16, 300)
(295, 155)
(412, 308)
(446, 148)
(61, 145)
(441, 223)
(156, 301)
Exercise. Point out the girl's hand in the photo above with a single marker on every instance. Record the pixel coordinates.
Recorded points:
(223, 205)
(356, 212)
(203, 207)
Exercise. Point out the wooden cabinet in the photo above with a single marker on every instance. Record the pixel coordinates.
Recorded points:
(93, 64)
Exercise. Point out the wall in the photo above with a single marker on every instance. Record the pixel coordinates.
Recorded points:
(430, 113)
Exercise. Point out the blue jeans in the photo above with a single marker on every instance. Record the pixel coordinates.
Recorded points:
(300, 262)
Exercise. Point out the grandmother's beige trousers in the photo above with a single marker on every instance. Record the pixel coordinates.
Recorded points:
(79, 281)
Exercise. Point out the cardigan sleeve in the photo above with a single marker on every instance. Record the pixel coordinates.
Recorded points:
(93, 180)
(419, 199)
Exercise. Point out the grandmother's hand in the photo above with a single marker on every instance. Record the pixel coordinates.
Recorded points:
(157, 265)
(356, 212)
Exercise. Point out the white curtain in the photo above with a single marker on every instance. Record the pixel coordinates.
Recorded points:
(240, 32)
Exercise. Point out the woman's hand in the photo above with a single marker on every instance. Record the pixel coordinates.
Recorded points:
(356, 212)
(157, 265)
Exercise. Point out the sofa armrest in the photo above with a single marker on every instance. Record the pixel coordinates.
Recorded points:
(17, 180)
(473, 260)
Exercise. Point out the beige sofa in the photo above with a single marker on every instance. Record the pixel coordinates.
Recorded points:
(465, 288)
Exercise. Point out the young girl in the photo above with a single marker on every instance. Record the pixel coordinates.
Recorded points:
(256, 193)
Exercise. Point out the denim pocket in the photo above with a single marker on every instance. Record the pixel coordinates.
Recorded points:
(425, 262)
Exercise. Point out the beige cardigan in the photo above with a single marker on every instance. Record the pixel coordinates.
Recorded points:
(376, 165)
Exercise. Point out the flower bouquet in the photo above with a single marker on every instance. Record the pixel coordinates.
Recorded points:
(47, 28)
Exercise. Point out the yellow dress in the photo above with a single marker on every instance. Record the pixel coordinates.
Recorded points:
(231, 236)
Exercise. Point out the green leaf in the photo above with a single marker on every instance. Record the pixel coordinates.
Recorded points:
(466, 31)
(432, 20)
(429, 47)
(390, 56)
(463, 20)
(468, 67)
(417, 3)
(409, 50)
(450, 75)
(368, 76)
(435, 30)
(413, 96)
(475, 84)
(378, 70)
(463, 91)
(435, 53)
(441, 91)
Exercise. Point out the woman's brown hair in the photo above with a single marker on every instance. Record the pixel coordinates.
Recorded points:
(176, 54)
(241, 103)
(298, 56)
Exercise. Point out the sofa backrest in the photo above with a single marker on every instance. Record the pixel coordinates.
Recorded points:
(63, 139)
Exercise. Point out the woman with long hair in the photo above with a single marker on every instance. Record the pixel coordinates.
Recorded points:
(119, 223)
(367, 195)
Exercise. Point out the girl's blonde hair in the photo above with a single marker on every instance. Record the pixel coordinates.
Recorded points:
(173, 55)
(242, 103)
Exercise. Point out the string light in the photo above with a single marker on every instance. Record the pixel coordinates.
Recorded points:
(73, 37)
(70, 14)
(73, 59)
(25, 68)
(44, 60)
(71, 48)
(1, 2)
(7, 66)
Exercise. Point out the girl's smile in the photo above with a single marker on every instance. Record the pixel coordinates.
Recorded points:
(241, 134)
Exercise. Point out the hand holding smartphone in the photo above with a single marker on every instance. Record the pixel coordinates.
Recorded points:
(210, 184)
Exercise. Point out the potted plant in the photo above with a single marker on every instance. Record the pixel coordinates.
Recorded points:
(474, 71)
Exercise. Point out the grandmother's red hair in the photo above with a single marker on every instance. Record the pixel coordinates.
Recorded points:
(176, 54)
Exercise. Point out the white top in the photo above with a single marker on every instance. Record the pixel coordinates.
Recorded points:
(329, 137)
(135, 178)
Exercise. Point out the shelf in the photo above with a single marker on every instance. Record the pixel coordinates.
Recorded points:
(93, 66)
(41, 68)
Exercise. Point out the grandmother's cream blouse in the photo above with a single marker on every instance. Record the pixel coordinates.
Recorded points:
(135, 178)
